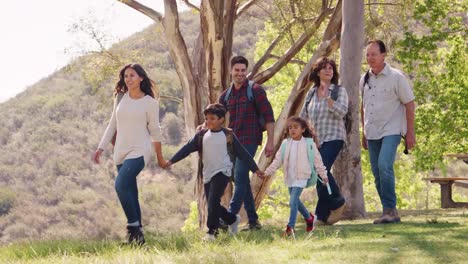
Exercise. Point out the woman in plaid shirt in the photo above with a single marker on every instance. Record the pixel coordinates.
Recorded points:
(325, 107)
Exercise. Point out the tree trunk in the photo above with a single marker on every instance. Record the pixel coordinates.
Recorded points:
(347, 168)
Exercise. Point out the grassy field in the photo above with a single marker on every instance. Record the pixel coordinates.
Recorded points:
(437, 236)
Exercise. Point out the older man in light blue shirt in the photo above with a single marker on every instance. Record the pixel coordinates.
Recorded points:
(387, 114)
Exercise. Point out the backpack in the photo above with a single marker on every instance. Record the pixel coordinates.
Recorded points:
(310, 154)
(251, 97)
(334, 96)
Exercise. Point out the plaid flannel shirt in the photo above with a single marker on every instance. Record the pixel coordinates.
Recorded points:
(328, 122)
(243, 117)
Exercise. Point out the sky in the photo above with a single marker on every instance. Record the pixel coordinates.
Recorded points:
(37, 40)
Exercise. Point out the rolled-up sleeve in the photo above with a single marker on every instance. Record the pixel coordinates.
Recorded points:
(152, 117)
(340, 106)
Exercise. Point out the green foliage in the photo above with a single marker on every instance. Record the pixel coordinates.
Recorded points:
(191, 222)
(434, 52)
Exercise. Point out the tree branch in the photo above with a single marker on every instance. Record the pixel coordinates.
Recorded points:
(244, 7)
(296, 61)
(297, 46)
(147, 11)
(392, 4)
(187, 2)
(273, 44)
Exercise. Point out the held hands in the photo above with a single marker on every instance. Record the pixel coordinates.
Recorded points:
(261, 174)
(97, 155)
(165, 164)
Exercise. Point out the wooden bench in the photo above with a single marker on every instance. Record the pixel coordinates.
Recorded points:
(446, 190)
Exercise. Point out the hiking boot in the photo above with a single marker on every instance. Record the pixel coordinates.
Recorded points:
(252, 226)
(319, 223)
(233, 228)
(311, 223)
(395, 216)
(289, 232)
(210, 236)
(335, 215)
(222, 225)
(135, 235)
(386, 217)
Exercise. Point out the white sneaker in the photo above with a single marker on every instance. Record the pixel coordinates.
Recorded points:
(209, 237)
(233, 228)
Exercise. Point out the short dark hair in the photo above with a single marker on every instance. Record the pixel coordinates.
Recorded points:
(215, 109)
(320, 64)
(380, 43)
(239, 59)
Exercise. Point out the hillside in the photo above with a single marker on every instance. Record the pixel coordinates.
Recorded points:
(49, 188)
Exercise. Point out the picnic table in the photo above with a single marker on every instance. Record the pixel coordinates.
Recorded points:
(446, 185)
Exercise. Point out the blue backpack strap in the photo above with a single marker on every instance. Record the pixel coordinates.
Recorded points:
(283, 148)
(334, 92)
(226, 96)
(250, 94)
(310, 154)
(309, 97)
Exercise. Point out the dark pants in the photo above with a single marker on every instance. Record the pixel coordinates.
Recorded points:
(242, 190)
(329, 151)
(214, 190)
(127, 189)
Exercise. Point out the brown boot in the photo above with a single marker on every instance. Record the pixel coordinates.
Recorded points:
(385, 218)
(335, 215)
(394, 214)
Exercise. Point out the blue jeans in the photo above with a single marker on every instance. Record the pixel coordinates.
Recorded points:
(127, 189)
(242, 191)
(382, 154)
(326, 203)
(295, 204)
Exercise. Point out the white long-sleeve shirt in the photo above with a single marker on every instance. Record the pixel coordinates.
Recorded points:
(137, 124)
(300, 163)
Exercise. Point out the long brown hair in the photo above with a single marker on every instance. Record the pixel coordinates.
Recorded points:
(321, 63)
(309, 130)
(147, 86)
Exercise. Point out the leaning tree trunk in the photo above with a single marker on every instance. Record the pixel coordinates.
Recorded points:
(347, 168)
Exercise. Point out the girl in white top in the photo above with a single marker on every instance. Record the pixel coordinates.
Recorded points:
(135, 125)
(297, 169)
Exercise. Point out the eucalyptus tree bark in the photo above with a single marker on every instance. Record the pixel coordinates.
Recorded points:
(347, 168)
(330, 43)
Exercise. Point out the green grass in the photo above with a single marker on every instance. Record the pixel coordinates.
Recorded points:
(438, 236)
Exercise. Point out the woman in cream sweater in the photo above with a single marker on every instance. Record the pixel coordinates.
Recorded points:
(135, 125)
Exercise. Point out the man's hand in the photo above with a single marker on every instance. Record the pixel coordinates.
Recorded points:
(269, 148)
(364, 142)
(410, 140)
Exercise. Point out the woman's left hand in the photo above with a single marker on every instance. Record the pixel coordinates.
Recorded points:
(330, 102)
(325, 180)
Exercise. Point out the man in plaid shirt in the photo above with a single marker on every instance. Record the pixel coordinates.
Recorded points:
(244, 120)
